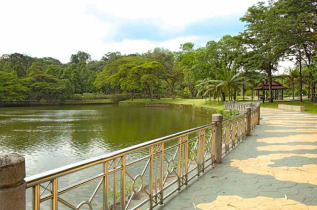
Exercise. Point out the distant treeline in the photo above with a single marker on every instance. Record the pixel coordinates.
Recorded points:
(281, 30)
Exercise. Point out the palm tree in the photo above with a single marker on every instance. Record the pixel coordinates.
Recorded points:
(227, 82)
(206, 88)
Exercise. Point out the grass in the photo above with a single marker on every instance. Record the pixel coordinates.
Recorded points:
(196, 102)
(309, 106)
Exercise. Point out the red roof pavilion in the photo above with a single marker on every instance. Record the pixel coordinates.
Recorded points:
(276, 86)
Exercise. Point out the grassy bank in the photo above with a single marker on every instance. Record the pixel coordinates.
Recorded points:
(196, 102)
(309, 106)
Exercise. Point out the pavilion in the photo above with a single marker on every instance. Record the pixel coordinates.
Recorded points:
(277, 88)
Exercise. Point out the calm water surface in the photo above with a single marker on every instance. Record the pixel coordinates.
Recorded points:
(50, 137)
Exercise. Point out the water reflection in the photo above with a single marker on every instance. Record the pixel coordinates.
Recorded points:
(50, 137)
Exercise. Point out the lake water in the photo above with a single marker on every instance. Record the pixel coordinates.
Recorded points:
(51, 137)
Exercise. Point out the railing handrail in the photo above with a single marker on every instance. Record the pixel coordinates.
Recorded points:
(60, 171)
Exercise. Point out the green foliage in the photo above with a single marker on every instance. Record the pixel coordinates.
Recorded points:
(275, 31)
(228, 83)
(188, 46)
(185, 93)
(229, 113)
(54, 70)
(11, 87)
(130, 74)
(111, 56)
(80, 57)
(116, 98)
(44, 86)
(34, 69)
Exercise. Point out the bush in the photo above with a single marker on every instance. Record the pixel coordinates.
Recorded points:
(116, 98)
(229, 113)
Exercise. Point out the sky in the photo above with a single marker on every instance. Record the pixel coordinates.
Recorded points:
(59, 28)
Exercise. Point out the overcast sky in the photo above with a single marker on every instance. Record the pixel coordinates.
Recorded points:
(54, 28)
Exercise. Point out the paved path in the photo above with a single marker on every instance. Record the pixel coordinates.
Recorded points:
(274, 168)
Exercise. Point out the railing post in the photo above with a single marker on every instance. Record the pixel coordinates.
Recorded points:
(217, 137)
(123, 184)
(259, 114)
(12, 184)
(151, 177)
(248, 109)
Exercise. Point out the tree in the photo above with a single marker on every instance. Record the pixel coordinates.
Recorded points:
(264, 49)
(77, 80)
(297, 24)
(11, 88)
(24, 60)
(20, 70)
(44, 86)
(108, 80)
(227, 83)
(292, 75)
(185, 63)
(172, 75)
(111, 56)
(34, 69)
(128, 77)
(150, 79)
(80, 57)
(251, 79)
(207, 87)
(54, 70)
(187, 47)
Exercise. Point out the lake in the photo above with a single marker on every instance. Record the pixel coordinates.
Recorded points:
(51, 137)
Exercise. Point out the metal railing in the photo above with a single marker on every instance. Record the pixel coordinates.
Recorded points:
(141, 176)
(240, 106)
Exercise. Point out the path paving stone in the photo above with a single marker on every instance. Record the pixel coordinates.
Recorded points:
(285, 175)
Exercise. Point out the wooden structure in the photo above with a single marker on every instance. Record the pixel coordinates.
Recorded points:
(277, 88)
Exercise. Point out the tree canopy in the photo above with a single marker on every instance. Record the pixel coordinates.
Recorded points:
(274, 31)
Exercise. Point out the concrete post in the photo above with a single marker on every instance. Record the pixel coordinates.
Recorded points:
(259, 115)
(217, 138)
(12, 184)
(248, 120)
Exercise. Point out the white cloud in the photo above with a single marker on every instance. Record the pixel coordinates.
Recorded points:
(131, 46)
(59, 28)
(171, 14)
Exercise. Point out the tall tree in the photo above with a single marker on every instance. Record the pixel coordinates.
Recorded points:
(297, 24)
(185, 62)
(264, 50)
(172, 75)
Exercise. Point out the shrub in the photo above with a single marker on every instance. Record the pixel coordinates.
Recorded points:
(116, 98)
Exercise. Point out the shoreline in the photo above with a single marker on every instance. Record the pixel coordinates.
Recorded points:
(201, 110)
(55, 103)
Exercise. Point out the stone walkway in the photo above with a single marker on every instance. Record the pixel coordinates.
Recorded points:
(274, 168)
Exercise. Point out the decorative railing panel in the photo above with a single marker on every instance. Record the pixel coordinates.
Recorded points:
(233, 131)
